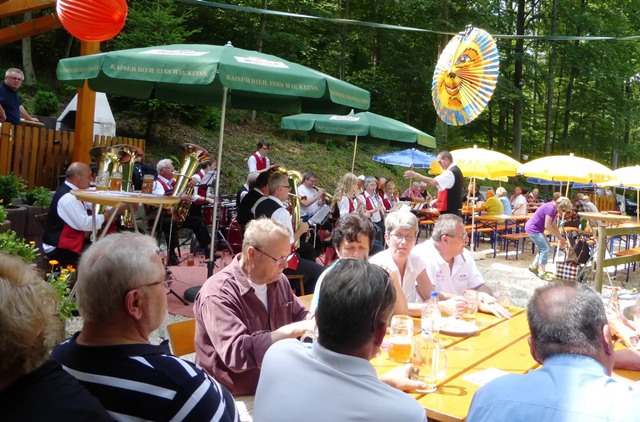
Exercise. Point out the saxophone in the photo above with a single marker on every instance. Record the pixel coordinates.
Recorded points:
(192, 156)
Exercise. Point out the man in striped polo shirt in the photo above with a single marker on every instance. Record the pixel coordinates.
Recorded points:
(122, 297)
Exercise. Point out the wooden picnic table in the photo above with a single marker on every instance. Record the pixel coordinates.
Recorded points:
(500, 344)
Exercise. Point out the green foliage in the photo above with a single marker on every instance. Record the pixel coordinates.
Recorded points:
(10, 187)
(45, 103)
(60, 280)
(11, 244)
(3, 214)
(39, 196)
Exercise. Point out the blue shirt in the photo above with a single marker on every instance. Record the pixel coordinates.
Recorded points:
(506, 205)
(567, 388)
(10, 103)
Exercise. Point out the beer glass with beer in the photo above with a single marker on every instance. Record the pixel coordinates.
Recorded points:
(401, 333)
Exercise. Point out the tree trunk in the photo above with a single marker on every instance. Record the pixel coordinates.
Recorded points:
(518, 82)
(551, 80)
(27, 63)
(263, 30)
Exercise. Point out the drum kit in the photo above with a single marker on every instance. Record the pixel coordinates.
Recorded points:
(228, 230)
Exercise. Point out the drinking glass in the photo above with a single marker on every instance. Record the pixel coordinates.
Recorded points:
(429, 362)
(401, 333)
(190, 260)
(471, 306)
(102, 180)
(115, 183)
(503, 294)
(147, 183)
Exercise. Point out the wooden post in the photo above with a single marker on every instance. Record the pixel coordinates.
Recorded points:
(85, 112)
(600, 248)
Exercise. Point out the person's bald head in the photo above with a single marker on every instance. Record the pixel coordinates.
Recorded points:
(79, 175)
(566, 318)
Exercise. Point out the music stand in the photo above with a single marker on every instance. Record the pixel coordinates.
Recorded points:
(168, 274)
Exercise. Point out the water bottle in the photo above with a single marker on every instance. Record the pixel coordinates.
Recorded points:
(431, 317)
(614, 302)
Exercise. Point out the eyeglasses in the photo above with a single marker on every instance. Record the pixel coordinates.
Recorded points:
(285, 186)
(165, 283)
(374, 321)
(15, 78)
(461, 236)
(279, 261)
(407, 238)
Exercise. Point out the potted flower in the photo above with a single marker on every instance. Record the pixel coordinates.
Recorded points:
(36, 201)
(5, 225)
(60, 279)
(12, 244)
(10, 187)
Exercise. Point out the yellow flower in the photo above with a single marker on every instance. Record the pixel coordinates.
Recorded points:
(32, 242)
(53, 262)
(70, 268)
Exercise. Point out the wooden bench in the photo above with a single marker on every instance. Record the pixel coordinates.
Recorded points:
(629, 252)
(514, 238)
(427, 224)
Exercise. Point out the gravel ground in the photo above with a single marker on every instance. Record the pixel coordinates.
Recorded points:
(495, 270)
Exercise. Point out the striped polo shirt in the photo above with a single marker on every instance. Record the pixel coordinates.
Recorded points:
(146, 382)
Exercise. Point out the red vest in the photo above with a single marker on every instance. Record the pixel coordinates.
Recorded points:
(261, 162)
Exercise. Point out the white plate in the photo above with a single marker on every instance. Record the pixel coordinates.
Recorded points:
(454, 327)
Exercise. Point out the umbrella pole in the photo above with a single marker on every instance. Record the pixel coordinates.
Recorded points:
(567, 190)
(355, 148)
(214, 223)
(473, 213)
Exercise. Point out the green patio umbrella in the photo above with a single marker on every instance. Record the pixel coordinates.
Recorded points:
(359, 124)
(211, 75)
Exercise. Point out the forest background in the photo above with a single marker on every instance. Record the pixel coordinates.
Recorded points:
(568, 73)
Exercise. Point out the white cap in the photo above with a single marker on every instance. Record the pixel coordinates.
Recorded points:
(361, 177)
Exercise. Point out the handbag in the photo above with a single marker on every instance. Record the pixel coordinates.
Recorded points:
(567, 270)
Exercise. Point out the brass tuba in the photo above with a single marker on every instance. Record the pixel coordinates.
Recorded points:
(192, 156)
(126, 169)
(295, 178)
(108, 159)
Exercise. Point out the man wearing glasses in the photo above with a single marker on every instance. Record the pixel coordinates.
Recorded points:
(10, 107)
(450, 266)
(246, 307)
(122, 297)
(449, 184)
(273, 207)
(259, 161)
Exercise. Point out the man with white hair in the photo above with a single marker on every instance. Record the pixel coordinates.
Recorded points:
(11, 110)
(164, 185)
(122, 297)
(248, 306)
(450, 266)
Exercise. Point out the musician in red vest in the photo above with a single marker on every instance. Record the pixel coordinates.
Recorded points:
(390, 198)
(164, 185)
(69, 219)
(258, 160)
(449, 184)
(203, 181)
(373, 206)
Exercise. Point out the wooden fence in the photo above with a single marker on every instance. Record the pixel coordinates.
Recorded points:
(40, 155)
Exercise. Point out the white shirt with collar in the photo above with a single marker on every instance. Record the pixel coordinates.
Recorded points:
(74, 213)
(463, 275)
(158, 188)
(413, 267)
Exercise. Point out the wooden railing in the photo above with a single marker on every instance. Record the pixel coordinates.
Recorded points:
(40, 155)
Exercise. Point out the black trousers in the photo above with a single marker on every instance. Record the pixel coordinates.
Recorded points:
(191, 222)
(65, 257)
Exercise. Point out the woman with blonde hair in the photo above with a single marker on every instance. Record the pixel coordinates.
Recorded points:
(32, 386)
(344, 197)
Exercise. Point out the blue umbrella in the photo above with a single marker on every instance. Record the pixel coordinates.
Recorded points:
(407, 158)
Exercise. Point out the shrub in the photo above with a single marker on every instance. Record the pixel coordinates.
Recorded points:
(3, 214)
(11, 244)
(45, 103)
(10, 187)
(39, 196)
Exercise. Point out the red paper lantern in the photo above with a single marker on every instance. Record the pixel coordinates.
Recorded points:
(92, 20)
